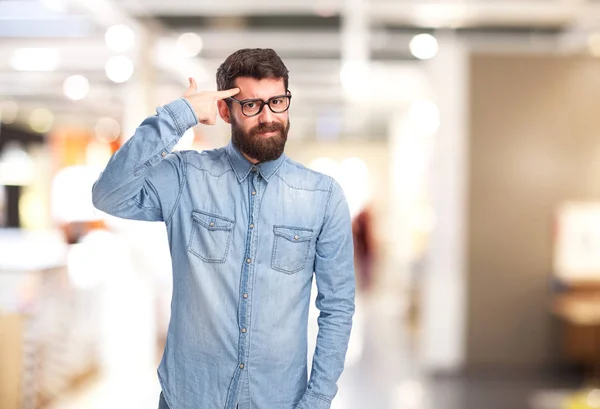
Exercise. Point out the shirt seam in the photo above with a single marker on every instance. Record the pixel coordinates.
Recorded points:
(320, 397)
(233, 168)
(302, 167)
(175, 119)
(182, 184)
(300, 188)
(275, 171)
(331, 185)
(208, 171)
(141, 206)
(189, 105)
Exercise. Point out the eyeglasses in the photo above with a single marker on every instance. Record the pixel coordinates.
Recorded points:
(253, 107)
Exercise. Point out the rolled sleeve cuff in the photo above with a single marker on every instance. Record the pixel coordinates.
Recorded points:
(183, 114)
(312, 401)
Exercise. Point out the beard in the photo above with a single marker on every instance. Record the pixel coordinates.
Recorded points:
(259, 147)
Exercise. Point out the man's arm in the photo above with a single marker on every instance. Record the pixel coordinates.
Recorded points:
(334, 272)
(141, 181)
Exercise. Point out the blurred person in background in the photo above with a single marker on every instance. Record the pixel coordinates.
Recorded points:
(364, 248)
(247, 228)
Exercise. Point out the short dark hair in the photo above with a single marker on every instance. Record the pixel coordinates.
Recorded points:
(258, 63)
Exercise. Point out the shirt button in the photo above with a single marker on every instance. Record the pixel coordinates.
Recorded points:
(211, 224)
(254, 169)
(245, 295)
(243, 330)
(296, 237)
(252, 225)
(241, 366)
(248, 260)
(253, 193)
(163, 154)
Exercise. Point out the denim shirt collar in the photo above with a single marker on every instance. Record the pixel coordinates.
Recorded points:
(242, 166)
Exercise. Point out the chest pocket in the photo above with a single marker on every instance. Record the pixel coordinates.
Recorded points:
(290, 248)
(211, 237)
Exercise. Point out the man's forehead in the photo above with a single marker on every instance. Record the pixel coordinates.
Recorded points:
(263, 89)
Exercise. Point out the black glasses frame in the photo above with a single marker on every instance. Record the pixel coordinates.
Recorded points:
(263, 103)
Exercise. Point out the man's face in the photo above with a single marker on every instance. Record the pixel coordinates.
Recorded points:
(261, 137)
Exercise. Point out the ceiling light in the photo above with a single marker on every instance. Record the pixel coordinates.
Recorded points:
(8, 111)
(76, 87)
(119, 38)
(41, 120)
(423, 46)
(189, 45)
(119, 68)
(107, 130)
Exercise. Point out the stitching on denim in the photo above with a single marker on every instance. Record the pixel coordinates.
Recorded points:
(137, 171)
(209, 172)
(331, 185)
(314, 395)
(141, 206)
(172, 114)
(208, 260)
(187, 103)
(239, 178)
(181, 185)
(302, 167)
(274, 253)
(299, 188)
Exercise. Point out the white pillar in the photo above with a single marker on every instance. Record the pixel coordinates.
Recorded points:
(444, 287)
(140, 91)
(355, 31)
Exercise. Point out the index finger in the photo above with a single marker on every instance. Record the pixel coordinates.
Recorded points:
(226, 93)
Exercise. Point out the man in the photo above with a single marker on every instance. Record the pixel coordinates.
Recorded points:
(247, 228)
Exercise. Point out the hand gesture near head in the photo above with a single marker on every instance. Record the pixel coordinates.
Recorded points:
(205, 103)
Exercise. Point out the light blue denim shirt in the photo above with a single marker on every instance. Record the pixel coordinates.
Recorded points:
(245, 241)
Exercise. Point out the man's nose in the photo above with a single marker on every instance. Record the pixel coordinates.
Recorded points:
(266, 116)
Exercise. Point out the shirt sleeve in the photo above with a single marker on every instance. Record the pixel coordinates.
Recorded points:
(142, 180)
(334, 273)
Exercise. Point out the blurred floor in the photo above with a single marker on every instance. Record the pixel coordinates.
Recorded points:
(382, 368)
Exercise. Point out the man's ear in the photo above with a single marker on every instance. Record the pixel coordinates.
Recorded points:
(224, 112)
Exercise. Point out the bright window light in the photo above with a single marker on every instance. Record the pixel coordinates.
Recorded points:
(35, 59)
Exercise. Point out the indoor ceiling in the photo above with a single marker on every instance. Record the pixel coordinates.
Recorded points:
(315, 39)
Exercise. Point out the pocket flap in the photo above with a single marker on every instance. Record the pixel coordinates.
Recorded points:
(212, 221)
(293, 233)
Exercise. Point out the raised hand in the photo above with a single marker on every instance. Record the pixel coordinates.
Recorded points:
(205, 103)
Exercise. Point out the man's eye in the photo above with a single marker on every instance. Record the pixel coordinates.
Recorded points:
(277, 101)
(250, 105)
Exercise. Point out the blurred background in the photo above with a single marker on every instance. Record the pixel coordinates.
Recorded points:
(465, 134)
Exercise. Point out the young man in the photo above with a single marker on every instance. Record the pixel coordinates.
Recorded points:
(247, 229)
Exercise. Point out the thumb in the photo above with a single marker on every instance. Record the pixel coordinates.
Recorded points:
(191, 89)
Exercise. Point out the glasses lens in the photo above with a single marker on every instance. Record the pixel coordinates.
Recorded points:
(251, 107)
(280, 104)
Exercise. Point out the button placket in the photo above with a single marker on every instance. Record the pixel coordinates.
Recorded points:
(247, 271)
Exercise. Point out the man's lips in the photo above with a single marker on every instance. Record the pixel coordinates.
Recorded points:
(268, 133)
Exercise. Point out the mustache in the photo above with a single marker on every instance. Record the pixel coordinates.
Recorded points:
(272, 127)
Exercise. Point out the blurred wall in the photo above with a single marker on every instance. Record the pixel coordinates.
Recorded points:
(374, 154)
(534, 142)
